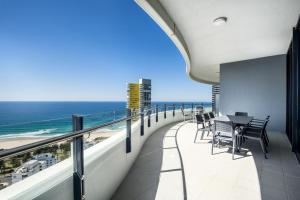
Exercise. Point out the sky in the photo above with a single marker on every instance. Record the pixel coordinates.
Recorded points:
(61, 50)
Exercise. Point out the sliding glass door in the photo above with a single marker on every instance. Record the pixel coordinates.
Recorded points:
(293, 91)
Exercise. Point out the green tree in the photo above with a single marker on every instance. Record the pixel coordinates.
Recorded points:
(15, 162)
(65, 147)
(2, 166)
(26, 157)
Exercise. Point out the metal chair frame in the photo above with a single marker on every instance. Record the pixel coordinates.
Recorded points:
(224, 131)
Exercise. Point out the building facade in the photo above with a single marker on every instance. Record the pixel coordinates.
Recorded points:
(145, 93)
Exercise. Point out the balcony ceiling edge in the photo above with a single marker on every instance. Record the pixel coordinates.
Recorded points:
(157, 12)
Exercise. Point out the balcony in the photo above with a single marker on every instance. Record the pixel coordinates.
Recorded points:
(173, 165)
(253, 61)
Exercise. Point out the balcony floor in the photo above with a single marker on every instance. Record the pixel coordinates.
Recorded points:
(172, 166)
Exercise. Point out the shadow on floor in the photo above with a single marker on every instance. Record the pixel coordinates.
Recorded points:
(278, 176)
(158, 172)
(158, 163)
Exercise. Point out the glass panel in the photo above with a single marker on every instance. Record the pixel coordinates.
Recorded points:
(98, 135)
(18, 168)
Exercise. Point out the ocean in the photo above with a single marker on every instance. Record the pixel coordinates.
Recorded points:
(44, 119)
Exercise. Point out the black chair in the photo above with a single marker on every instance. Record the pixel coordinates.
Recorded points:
(241, 114)
(200, 121)
(211, 115)
(207, 121)
(224, 132)
(256, 133)
(259, 124)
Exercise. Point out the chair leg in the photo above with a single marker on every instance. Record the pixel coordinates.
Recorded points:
(196, 135)
(267, 138)
(209, 129)
(233, 147)
(263, 147)
(240, 141)
(202, 134)
(237, 143)
(212, 144)
(265, 143)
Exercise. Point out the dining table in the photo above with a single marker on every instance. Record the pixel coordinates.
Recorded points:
(236, 120)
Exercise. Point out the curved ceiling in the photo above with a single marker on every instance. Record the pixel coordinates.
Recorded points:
(254, 29)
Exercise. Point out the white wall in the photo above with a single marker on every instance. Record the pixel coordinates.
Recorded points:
(255, 86)
(106, 164)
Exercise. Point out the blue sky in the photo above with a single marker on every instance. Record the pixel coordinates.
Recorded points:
(87, 51)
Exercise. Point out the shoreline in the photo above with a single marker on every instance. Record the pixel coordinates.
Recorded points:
(8, 143)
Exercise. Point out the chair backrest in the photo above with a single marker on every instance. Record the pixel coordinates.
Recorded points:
(211, 115)
(241, 114)
(224, 128)
(200, 119)
(206, 116)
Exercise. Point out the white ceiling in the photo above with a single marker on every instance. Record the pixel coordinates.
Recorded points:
(255, 28)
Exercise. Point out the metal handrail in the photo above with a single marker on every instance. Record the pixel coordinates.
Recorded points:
(4, 154)
(78, 141)
(35, 145)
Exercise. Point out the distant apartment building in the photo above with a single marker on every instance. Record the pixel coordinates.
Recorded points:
(38, 163)
(47, 157)
(27, 169)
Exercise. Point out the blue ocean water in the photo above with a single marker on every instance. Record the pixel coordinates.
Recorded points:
(18, 119)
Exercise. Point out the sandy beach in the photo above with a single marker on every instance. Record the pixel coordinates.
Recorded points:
(8, 143)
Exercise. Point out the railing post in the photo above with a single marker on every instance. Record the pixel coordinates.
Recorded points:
(78, 160)
(165, 111)
(156, 113)
(192, 108)
(174, 110)
(149, 117)
(142, 121)
(128, 128)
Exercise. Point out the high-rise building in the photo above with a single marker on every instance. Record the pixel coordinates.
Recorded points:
(145, 93)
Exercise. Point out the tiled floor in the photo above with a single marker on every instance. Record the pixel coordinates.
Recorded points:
(173, 166)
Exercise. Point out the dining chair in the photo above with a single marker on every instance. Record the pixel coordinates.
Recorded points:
(200, 121)
(207, 122)
(259, 123)
(224, 132)
(211, 115)
(241, 114)
(256, 133)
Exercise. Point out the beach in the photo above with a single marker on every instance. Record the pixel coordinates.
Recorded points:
(8, 143)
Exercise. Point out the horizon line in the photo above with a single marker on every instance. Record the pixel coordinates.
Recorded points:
(98, 101)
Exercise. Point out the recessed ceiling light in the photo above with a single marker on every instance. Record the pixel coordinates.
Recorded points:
(219, 21)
